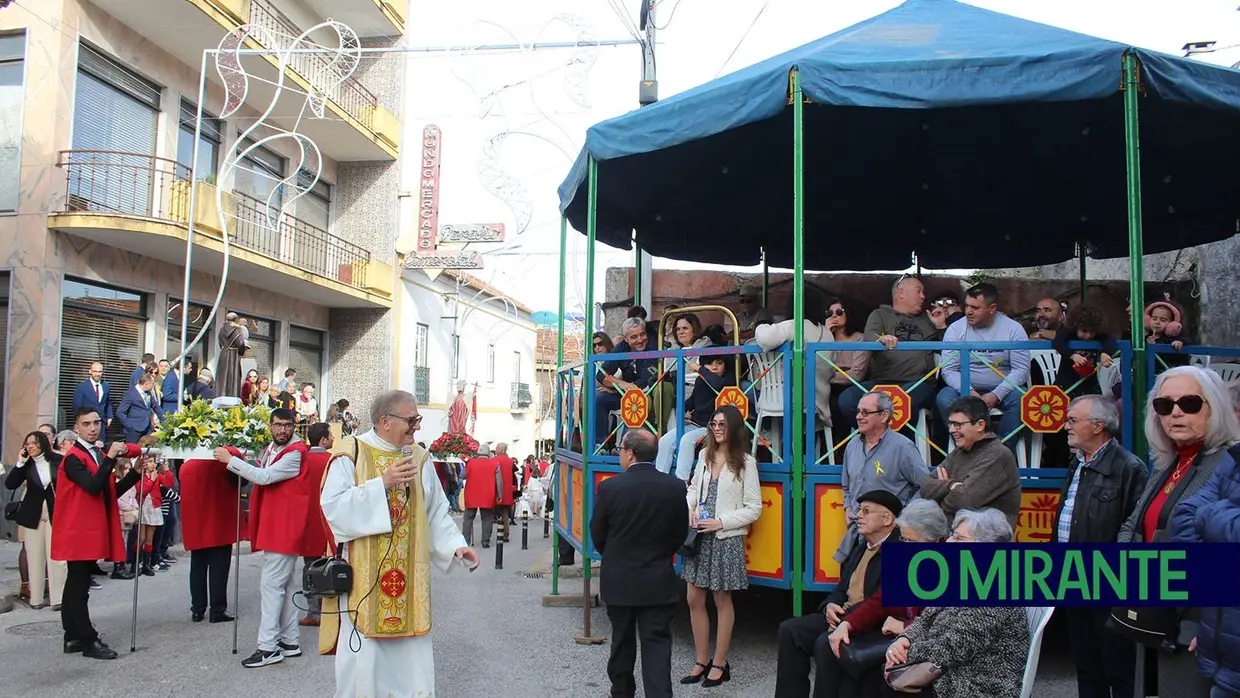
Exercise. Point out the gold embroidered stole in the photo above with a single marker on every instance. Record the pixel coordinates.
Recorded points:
(391, 595)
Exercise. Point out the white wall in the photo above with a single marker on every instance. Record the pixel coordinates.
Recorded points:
(480, 324)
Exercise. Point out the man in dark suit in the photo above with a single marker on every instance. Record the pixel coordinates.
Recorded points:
(170, 400)
(139, 410)
(639, 522)
(860, 579)
(143, 367)
(94, 392)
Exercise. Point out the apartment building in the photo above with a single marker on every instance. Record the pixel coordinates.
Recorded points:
(98, 104)
(456, 328)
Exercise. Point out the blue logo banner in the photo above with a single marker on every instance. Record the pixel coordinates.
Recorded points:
(1189, 575)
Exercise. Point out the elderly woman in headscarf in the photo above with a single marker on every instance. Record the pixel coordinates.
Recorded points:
(1189, 425)
(981, 650)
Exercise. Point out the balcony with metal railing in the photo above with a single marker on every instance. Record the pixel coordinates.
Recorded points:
(142, 203)
(521, 396)
(422, 384)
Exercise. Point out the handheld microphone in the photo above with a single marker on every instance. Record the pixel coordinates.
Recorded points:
(406, 452)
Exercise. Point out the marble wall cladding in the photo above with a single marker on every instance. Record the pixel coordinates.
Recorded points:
(366, 206)
(361, 361)
(384, 73)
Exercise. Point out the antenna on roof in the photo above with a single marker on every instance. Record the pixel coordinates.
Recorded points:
(1193, 47)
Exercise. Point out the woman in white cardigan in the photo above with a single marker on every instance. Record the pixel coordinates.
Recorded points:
(724, 499)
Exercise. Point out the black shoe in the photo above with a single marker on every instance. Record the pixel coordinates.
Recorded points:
(98, 571)
(168, 558)
(486, 545)
(73, 646)
(221, 618)
(696, 678)
(261, 658)
(98, 650)
(147, 571)
(197, 616)
(121, 573)
(94, 585)
(727, 675)
(163, 567)
(289, 650)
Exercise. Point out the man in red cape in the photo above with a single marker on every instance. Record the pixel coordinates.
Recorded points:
(209, 530)
(315, 546)
(278, 513)
(87, 526)
(481, 494)
(508, 487)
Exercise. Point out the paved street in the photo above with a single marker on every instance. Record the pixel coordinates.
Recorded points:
(492, 637)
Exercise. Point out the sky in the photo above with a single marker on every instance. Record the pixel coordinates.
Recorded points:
(513, 121)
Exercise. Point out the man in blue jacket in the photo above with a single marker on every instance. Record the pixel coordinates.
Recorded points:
(170, 401)
(634, 373)
(139, 411)
(147, 359)
(95, 393)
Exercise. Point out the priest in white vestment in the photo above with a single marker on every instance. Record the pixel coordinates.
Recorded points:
(390, 512)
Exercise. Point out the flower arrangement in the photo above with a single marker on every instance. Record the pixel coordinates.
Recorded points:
(459, 445)
(198, 425)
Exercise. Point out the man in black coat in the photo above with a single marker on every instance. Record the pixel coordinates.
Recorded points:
(860, 578)
(639, 522)
(1103, 487)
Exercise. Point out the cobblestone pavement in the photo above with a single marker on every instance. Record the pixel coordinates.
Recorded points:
(492, 636)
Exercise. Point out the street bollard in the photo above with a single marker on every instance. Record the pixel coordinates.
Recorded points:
(499, 552)
(525, 530)
(546, 526)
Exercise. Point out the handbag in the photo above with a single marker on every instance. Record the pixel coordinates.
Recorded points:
(692, 541)
(863, 653)
(11, 507)
(912, 677)
(1156, 627)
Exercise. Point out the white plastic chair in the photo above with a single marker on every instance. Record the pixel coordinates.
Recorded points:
(770, 396)
(1047, 360)
(1228, 371)
(1029, 446)
(1039, 617)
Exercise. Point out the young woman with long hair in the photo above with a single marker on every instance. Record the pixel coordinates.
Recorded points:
(724, 500)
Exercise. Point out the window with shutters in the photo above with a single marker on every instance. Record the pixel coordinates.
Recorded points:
(257, 179)
(421, 346)
(208, 148)
(197, 315)
(114, 121)
(12, 99)
(262, 342)
(99, 323)
(305, 355)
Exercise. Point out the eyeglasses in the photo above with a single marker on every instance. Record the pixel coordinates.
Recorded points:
(281, 425)
(411, 421)
(838, 312)
(959, 425)
(869, 413)
(961, 538)
(866, 511)
(718, 425)
(1189, 404)
(743, 300)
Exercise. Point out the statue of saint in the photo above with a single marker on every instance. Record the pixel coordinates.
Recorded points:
(458, 414)
(234, 341)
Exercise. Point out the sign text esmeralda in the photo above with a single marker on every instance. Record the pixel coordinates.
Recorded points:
(1027, 574)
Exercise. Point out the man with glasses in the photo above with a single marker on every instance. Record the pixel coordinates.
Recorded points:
(1101, 491)
(877, 458)
(634, 373)
(279, 515)
(386, 508)
(981, 472)
(751, 311)
(807, 636)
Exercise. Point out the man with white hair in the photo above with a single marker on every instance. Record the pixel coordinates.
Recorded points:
(1102, 488)
(634, 373)
(387, 510)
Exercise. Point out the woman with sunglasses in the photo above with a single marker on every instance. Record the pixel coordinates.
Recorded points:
(1189, 425)
(725, 498)
(852, 365)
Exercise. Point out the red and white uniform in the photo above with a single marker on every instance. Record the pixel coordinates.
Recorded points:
(87, 525)
(314, 465)
(208, 504)
(508, 473)
(480, 483)
(281, 501)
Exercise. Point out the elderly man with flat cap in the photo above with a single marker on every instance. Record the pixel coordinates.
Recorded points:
(808, 636)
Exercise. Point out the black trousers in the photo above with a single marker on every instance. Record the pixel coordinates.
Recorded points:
(75, 604)
(1106, 664)
(208, 579)
(653, 624)
(806, 637)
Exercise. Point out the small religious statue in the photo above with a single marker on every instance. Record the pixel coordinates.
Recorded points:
(458, 414)
(234, 341)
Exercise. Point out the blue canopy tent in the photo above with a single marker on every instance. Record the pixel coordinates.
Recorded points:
(974, 138)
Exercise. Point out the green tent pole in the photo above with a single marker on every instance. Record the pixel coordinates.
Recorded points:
(587, 408)
(1136, 253)
(798, 344)
(766, 281)
(559, 361)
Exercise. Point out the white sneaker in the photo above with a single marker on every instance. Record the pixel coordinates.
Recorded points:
(261, 658)
(288, 650)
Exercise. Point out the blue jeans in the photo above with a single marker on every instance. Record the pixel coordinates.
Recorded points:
(684, 447)
(921, 397)
(1011, 411)
(604, 402)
